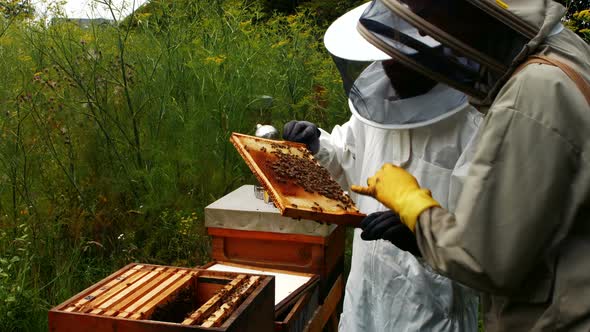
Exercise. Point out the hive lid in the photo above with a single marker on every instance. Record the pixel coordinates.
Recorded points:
(264, 156)
(241, 210)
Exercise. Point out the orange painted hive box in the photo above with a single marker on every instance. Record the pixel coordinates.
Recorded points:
(142, 297)
(298, 185)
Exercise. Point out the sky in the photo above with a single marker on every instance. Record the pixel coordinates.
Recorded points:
(88, 8)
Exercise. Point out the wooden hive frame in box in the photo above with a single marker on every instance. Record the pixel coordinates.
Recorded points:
(282, 300)
(142, 297)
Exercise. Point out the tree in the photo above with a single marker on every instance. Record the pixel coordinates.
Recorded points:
(16, 9)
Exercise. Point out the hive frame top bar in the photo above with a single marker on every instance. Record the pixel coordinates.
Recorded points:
(297, 207)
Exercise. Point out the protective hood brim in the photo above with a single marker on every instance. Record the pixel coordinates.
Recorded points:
(344, 41)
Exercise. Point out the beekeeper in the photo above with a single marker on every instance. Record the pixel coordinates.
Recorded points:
(398, 116)
(521, 229)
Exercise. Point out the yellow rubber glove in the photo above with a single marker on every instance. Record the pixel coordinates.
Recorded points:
(398, 190)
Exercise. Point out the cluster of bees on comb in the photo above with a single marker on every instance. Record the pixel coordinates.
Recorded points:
(304, 172)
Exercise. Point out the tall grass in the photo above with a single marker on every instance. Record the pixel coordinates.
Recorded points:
(115, 137)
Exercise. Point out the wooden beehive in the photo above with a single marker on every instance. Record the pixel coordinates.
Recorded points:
(264, 156)
(244, 230)
(142, 297)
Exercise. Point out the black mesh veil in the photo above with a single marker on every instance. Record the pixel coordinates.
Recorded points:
(398, 29)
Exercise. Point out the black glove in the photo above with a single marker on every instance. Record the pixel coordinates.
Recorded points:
(303, 132)
(388, 226)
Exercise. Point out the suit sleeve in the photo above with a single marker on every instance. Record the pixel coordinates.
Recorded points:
(337, 152)
(511, 205)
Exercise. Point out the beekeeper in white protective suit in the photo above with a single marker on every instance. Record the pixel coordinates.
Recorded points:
(398, 116)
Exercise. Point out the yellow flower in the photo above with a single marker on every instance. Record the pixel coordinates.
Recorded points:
(144, 16)
(279, 44)
(583, 14)
(246, 27)
(216, 59)
(5, 41)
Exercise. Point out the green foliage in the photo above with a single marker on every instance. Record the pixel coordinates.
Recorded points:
(115, 137)
(574, 6)
(577, 17)
(579, 22)
(16, 8)
(325, 11)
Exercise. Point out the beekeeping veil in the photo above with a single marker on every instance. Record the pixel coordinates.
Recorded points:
(446, 48)
(373, 98)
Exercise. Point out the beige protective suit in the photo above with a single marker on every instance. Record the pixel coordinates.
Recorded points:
(521, 230)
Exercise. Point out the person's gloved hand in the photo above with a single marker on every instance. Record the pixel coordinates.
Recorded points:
(303, 132)
(398, 190)
(388, 226)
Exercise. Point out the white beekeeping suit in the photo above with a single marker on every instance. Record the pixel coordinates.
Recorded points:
(430, 135)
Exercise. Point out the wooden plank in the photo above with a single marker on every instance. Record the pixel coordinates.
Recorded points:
(83, 293)
(236, 140)
(128, 290)
(97, 292)
(253, 312)
(227, 308)
(90, 306)
(206, 290)
(162, 297)
(210, 306)
(147, 283)
(133, 308)
(322, 315)
(299, 305)
(258, 235)
(256, 269)
(289, 299)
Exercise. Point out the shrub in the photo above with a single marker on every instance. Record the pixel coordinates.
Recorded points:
(578, 17)
(115, 137)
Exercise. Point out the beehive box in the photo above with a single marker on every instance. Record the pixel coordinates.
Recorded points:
(142, 297)
(244, 230)
(298, 185)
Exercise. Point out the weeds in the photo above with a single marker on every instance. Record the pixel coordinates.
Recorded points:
(115, 137)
